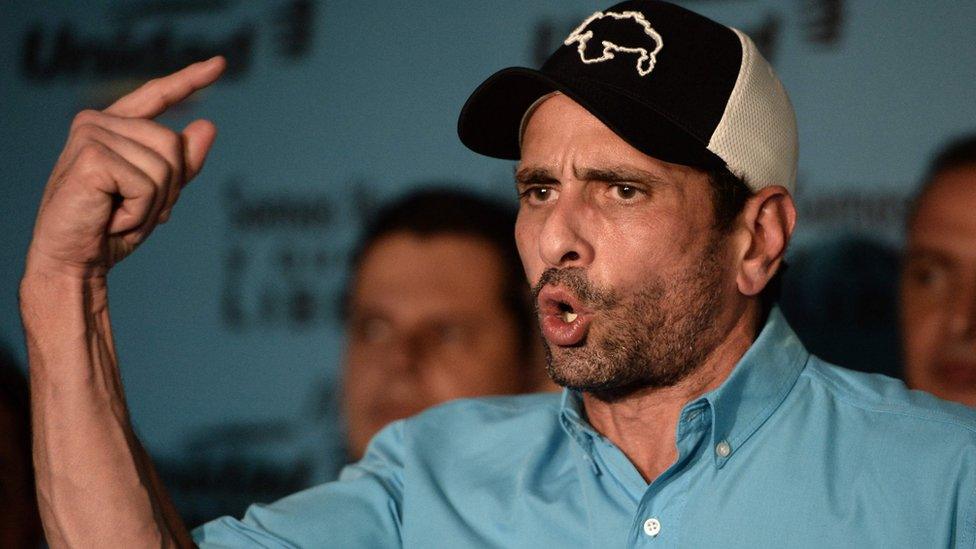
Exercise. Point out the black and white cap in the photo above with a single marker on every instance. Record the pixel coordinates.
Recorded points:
(673, 84)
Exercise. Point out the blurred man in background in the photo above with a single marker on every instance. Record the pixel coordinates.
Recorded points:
(437, 309)
(938, 287)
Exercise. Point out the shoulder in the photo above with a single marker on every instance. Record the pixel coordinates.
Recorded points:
(886, 443)
(888, 402)
(484, 426)
(529, 402)
(498, 412)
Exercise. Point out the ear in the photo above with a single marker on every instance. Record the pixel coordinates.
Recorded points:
(763, 230)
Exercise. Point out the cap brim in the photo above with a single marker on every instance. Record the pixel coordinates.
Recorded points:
(491, 118)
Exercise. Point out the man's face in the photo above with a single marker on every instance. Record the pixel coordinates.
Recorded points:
(631, 277)
(938, 289)
(427, 324)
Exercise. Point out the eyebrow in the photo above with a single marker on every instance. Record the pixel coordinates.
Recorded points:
(925, 253)
(535, 175)
(618, 174)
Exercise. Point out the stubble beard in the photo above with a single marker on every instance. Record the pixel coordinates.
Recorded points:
(654, 338)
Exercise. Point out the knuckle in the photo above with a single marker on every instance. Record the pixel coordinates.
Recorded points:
(86, 130)
(84, 118)
(148, 192)
(91, 152)
(90, 159)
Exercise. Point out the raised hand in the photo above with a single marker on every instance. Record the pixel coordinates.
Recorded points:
(119, 176)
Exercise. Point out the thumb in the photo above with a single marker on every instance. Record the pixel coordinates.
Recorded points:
(198, 136)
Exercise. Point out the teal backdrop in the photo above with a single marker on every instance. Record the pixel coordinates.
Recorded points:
(226, 319)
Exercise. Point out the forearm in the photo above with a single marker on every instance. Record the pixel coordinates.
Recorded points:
(95, 483)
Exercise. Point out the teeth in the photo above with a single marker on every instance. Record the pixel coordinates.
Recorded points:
(569, 317)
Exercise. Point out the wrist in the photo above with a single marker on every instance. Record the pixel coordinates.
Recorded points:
(42, 282)
(64, 318)
(41, 265)
(54, 281)
(48, 294)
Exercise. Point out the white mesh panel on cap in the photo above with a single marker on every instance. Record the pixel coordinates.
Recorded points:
(757, 134)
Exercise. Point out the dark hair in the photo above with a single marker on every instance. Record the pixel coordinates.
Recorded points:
(435, 211)
(959, 152)
(729, 195)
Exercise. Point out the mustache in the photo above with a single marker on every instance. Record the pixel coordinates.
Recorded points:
(575, 280)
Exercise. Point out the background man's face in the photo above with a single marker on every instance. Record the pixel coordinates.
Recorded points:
(938, 289)
(427, 324)
(626, 242)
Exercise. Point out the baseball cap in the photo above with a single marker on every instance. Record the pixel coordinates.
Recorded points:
(673, 84)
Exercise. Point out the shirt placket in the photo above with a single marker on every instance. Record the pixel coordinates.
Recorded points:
(657, 520)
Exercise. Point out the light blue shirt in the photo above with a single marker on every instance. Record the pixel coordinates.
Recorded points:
(788, 452)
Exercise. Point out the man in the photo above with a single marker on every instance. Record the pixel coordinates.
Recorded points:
(427, 268)
(655, 211)
(938, 286)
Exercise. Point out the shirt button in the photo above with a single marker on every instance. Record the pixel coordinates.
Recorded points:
(652, 527)
(722, 449)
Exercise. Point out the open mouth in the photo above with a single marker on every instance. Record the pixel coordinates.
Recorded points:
(567, 313)
(563, 318)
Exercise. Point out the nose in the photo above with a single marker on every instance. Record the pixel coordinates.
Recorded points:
(402, 354)
(562, 242)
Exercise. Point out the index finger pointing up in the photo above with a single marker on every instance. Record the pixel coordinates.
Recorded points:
(154, 97)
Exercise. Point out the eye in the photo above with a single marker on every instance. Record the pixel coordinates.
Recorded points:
(374, 330)
(928, 277)
(624, 192)
(450, 334)
(538, 194)
(446, 337)
(923, 275)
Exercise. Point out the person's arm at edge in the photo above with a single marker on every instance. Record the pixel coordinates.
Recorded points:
(107, 489)
(96, 484)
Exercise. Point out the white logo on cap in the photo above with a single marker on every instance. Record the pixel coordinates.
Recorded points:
(647, 59)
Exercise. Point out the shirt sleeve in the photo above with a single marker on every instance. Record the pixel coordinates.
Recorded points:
(361, 509)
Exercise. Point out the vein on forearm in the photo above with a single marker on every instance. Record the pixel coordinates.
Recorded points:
(93, 479)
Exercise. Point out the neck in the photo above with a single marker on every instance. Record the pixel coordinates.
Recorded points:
(643, 424)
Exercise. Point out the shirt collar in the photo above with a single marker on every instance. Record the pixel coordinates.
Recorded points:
(757, 386)
(572, 416)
